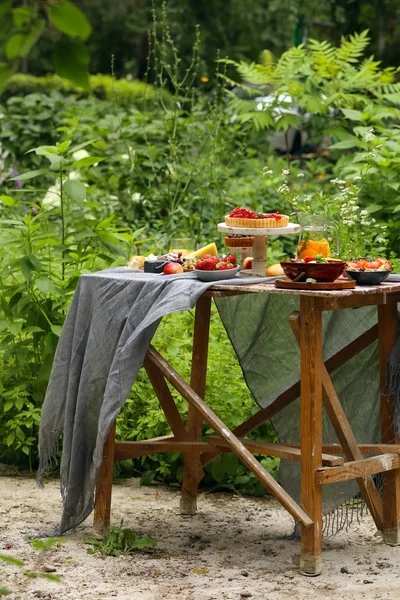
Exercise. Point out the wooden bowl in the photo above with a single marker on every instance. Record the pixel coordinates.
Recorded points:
(327, 272)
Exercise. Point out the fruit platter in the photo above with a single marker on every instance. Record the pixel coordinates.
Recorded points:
(205, 262)
(245, 229)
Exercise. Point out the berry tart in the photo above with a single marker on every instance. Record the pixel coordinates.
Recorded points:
(242, 217)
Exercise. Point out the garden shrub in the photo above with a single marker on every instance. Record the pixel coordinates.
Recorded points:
(122, 91)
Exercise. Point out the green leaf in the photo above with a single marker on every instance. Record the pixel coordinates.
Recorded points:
(88, 161)
(6, 71)
(28, 175)
(22, 16)
(14, 45)
(75, 190)
(13, 561)
(373, 208)
(45, 285)
(80, 146)
(345, 144)
(15, 328)
(63, 146)
(353, 115)
(56, 329)
(28, 264)
(4, 591)
(147, 478)
(71, 60)
(8, 200)
(69, 19)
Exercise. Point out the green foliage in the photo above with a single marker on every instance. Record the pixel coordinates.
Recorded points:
(226, 393)
(121, 91)
(121, 540)
(28, 23)
(46, 244)
(319, 79)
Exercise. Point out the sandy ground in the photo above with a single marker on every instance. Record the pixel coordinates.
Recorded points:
(229, 551)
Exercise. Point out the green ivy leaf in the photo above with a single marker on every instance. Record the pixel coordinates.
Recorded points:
(69, 19)
(71, 60)
(75, 190)
(87, 161)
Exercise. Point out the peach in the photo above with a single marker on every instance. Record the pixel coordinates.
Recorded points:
(247, 263)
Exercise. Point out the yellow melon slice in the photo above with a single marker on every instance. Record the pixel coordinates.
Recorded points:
(209, 249)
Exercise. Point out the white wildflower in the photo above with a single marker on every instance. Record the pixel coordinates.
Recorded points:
(300, 174)
(267, 171)
(52, 197)
(136, 197)
(283, 189)
(357, 178)
(373, 220)
(364, 213)
(285, 171)
(79, 154)
(381, 240)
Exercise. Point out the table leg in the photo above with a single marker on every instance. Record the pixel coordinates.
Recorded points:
(311, 432)
(102, 504)
(188, 504)
(387, 323)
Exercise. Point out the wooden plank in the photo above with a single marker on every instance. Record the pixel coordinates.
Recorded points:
(388, 323)
(190, 482)
(292, 393)
(345, 435)
(278, 450)
(339, 284)
(311, 432)
(364, 448)
(233, 443)
(171, 412)
(358, 468)
(102, 504)
(126, 450)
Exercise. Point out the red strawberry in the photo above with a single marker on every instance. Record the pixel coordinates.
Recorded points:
(207, 263)
(224, 266)
(230, 258)
(308, 259)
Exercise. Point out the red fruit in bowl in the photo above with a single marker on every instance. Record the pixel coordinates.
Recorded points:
(308, 259)
(230, 258)
(224, 266)
(173, 268)
(207, 263)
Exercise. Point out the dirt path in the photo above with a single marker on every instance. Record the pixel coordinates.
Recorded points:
(228, 551)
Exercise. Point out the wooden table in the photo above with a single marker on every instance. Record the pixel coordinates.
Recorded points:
(321, 464)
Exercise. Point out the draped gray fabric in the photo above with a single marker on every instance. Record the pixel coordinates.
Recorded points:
(268, 353)
(112, 319)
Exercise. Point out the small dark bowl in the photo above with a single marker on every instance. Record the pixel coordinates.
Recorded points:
(326, 272)
(368, 277)
(155, 266)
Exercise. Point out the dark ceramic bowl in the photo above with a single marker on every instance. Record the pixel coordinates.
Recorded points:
(368, 277)
(326, 272)
(155, 266)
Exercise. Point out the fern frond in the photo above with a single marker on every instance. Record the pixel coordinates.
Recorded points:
(351, 49)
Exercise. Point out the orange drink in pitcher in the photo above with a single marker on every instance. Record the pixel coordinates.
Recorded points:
(316, 233)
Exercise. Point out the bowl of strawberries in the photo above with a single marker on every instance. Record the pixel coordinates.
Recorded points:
(213, 268)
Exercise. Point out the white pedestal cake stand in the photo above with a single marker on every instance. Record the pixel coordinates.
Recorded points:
(259, 264)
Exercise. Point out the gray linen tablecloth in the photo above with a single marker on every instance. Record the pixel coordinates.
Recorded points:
(112, 319)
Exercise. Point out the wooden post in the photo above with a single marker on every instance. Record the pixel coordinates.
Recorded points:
(387, 323)
(102, 504)
(345, 434)
(311, 432)
(188, 503)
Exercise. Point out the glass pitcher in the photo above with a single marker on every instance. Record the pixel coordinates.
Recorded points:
(316, 236)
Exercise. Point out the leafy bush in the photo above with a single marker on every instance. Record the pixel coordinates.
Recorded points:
(226, 393)
(125, 93)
